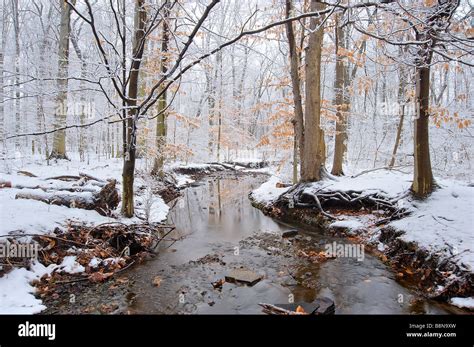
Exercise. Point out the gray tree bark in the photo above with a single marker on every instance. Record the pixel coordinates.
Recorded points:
(59, 141)
(314, 145)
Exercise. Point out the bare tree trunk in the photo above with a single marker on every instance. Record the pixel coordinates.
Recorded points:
(314, 146)
(219, 112)
(423, 182)
(2, 88)
(401, 110)
(59, 142)
(296, 87)
(16, 30)
(211, 105)
(82, 115)
(295, 160)
(128, 172)
(161, 128)
(340, 85)
(440, 19)
(241, 95)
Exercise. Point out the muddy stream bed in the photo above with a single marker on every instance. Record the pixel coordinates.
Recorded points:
(219, 230)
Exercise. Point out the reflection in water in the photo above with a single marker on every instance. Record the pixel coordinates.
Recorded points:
(217, 211)
(217, 215)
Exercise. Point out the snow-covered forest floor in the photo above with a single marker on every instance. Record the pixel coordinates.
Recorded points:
(30, 217)
(441, 225)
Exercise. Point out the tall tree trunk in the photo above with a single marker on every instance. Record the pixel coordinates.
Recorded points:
(211, 105)
(82, 115)
(314, 146)
(242, 95)
(401, 111)
(423, 182)
(340, 101)
(128, 171)
(296, 87)
(59, 142)
(16, 30)
(220, 104)
(161, 128)
(2, 87)
(438, 20)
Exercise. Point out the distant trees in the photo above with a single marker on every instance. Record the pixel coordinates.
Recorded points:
(161, 109)
(59, 142)
(341, 99)
(298, 120)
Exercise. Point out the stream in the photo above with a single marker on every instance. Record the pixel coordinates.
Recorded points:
(220, 230)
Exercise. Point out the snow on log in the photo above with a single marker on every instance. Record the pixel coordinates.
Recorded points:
(104, 201)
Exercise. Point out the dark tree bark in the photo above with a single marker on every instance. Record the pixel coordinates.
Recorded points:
(438, 20)
(128, 172)
(296, 87)
(341, 102)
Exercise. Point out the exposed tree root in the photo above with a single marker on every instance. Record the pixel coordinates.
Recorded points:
(305, 195)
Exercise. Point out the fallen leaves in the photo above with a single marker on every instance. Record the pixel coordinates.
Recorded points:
(314, 256)
(157, 281)
(300, 310)
(218, 284)
(282, 185)
(97, 277)
(99, 249)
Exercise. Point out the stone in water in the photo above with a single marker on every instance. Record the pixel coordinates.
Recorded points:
(243, 276)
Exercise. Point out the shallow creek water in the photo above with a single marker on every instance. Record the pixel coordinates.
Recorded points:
(220, 230)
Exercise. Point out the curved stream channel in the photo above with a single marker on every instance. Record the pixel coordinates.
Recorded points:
(220, 230)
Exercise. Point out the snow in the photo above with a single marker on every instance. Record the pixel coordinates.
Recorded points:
(70, 265)
(443, 222)
(347, 224)
(265, 170)
(182, 180)
(94, 262)
(17, 215)
(268, 191)
(16, 292)
(158, 209)
(463, 302)
(195, 166)
(46, 217)
(389, 183)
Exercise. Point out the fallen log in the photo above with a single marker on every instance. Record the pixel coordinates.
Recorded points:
(248, 165)
(5, 184)
(320, 306)
(53, 189)
(104, 201)
(26, 173)
(224, 165)
(82, 176)
(64, 178)
(90, 178)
